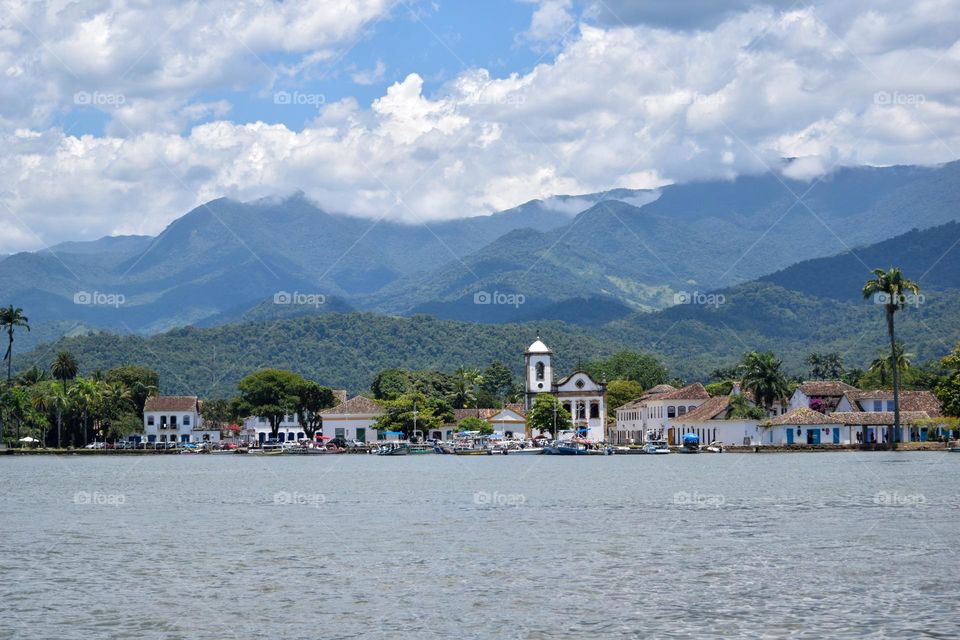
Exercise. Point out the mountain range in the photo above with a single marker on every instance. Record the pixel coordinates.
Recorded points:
(815, 305)
(588, 259)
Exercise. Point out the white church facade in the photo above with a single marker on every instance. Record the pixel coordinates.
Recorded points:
(583, 397)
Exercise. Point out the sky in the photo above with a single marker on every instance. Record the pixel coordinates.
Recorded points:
(118, 116)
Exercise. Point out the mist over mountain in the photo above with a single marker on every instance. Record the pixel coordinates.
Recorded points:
(588, 259)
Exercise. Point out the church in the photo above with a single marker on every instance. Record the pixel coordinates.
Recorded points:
(583, 397)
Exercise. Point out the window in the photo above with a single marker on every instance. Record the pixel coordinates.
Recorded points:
(594, 410)
(539, 371)
(150, 421)
(878, 405)
(681, 411)
(579, 383)
(173, 421)
(891, 405)
(339, 433)
(671, 412)
(163, 422)
(186, 421)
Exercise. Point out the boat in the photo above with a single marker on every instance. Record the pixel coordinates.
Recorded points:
(656, 447)
(713, 447)
(691, 443)
(393, 449)
(524, 449)
(566, 448)
(471, 450)
(269, 448)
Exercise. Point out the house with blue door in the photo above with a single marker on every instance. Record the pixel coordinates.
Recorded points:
(174, 419)
(805, 426)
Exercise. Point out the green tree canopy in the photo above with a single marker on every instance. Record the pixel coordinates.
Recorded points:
(643, 368)
(548, 415)
(414, 412)
(142, 382)
(620, 392)
(271, 394)
(473, 423)
(312, 399)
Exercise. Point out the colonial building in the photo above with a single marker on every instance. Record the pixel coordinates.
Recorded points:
(711, 423)
(510, 421)
(820, 395)
(648, 417)
(353, 420)
(175, 419)
(583, 397)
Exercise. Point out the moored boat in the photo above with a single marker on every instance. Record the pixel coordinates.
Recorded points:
(656, 447)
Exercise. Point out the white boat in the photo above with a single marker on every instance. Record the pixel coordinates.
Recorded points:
(656, 447)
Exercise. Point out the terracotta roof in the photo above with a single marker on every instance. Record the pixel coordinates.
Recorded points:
(516, 407)
(707, 411)
(877, 418)
(802, 416)
(825, 388)
(695, 391)
(171, 403)
(660, 388)
(483, 414)
(358, 405)
(909, 400)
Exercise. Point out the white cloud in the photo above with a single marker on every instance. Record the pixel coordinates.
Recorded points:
(619, 106)
(550, 25)
(370, 76)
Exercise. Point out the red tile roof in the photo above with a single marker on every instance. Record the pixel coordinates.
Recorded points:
(172, 403)
(825, 388)
(695, 391)
(909, 400)
(802, 416)
(877, 418)
(358, 405)
(709, 410)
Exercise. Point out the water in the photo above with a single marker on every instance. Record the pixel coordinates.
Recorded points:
(733, 545)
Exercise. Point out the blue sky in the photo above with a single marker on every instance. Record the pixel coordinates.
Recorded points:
(118, 117)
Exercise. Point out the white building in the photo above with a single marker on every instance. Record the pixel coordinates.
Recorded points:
(820, 395)
(511, 421)
(353, 420)
(709, 421)
(583, 397)
(174, 419)
(648, 417)
(806, 426)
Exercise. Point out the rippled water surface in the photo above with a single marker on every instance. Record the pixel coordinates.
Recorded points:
(733, 545)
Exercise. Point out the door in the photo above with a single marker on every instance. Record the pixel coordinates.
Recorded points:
(361, 434)
(836, 435)
(789, 435)
(813, 436)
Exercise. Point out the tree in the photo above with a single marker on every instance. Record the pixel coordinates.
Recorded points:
(270, 394)
(64, 368)
(473, 423)
(312, 399)
(497, 381)
(628, 365)
(123, 426)
(893, 291)
(390, 384)
(548, 415)
(465, 384)
(414, 412)
(764, 378)
(30, 377)
(620, 392)
(825, 366)
(948, 390)
(216, 414)
(142, 382)
(10, 318)
(86, 396)
(741, 408)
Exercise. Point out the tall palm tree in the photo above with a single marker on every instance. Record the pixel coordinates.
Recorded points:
(10, 318)
(40, 400)
(891, 289)
(86, 396)
(465, 384)
(64, 368)
(881, 367)
(763, 377)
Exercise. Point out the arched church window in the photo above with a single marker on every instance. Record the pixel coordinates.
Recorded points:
(594, 410)
(539, 371)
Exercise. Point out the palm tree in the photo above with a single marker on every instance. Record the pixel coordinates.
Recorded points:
(64, 368)
(41, 402)
(465, 383)
(891, 289)
(86, 396)
(12, 317)
(763, 377)
(881, 367)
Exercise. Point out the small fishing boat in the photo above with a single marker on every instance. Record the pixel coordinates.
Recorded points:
(656, 447)
(394, 449)
(566, 448)
(691, 443)
(713, 447)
